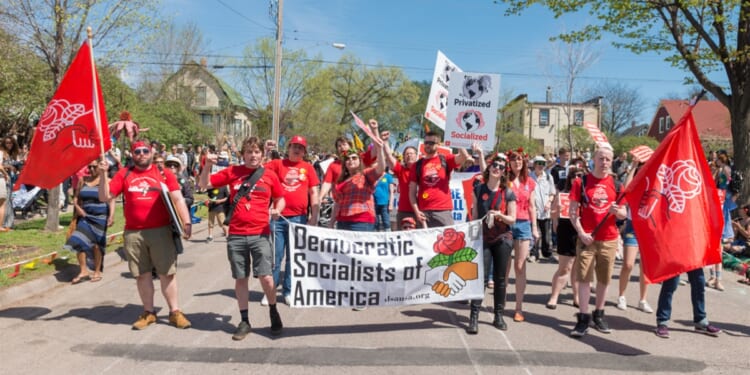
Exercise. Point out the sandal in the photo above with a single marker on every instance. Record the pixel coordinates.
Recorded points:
(744, 281)
(80, 278)
(96, 278)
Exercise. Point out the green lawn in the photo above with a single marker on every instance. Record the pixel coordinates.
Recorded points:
(29, 240)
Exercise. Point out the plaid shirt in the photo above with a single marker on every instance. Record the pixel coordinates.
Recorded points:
(354, 196)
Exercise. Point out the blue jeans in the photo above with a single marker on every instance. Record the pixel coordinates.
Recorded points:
(355, 226)
(697, 297)
(280, 230)
(382, 218)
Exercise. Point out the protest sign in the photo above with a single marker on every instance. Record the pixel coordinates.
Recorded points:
(472, 110)
(438, 99)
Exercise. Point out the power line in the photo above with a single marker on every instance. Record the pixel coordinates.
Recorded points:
(235, 11)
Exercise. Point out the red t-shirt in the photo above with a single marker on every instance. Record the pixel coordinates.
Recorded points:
(296, 179)
(402, 174)
(334, 170)
(600, 194)
(434, 193)
(144, 207)
(251, 216)
(523, 192)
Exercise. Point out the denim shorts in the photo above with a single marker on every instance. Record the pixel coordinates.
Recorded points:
(521, 230)
(628, 235)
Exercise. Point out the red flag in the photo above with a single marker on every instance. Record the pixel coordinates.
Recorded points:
(67, 137)
(675, 206)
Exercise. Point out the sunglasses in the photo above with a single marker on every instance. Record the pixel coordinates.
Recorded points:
(540, 163)
(92, 166)
(430, 143)
(498, 165)
(139, 151)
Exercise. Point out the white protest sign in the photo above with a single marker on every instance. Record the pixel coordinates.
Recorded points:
(338, 268)
(438, 100)
(472, 109)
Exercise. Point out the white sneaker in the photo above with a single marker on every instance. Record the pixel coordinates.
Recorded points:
(286, 299)
(264, 301)
(622, 303)
(645, 307)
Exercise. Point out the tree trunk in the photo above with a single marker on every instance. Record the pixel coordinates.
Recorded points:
(741, 144)
(53, 209)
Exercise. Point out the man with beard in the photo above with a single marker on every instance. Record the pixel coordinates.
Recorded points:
(300, 184)
(148, 234)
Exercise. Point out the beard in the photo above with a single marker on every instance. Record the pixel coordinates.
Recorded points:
(142, 164)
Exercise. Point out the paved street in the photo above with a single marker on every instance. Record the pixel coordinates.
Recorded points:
(86, 329)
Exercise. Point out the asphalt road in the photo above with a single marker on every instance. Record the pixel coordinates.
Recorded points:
(50, 326)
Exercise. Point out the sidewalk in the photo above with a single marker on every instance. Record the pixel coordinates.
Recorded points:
(95, 334)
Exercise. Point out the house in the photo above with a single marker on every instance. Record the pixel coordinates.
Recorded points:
(635, 130)
(711, 119)
(546, 122)
(219, 106)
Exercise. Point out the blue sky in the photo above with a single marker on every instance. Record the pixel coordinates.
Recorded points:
(474, 34)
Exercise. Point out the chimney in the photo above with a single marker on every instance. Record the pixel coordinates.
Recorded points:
(632, 124)
(204, 63)
(549, 94)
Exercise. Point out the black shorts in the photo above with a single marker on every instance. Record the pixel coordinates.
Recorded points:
(566, 238)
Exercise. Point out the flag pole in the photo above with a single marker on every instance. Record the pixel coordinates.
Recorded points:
(97, 115)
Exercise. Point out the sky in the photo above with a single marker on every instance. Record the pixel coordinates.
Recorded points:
(475, 35)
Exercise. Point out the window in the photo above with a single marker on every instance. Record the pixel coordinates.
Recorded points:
(543, 117)
(207, 119)
(669, 123)
(661, 125)
(578, 117)
(200, 96)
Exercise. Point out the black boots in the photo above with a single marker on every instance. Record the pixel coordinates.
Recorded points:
(599, 323)
(498, 322)
(582, 326)
(473, 327)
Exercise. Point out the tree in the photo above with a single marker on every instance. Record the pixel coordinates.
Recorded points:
(700, 37)
(621, 105)
(56, 28)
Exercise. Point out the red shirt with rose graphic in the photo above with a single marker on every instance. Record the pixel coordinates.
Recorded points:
(433, 192)
(297, 178)
(600, 194)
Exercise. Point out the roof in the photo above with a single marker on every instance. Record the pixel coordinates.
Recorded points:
(634, 130)
(712, 118)
(234, 97)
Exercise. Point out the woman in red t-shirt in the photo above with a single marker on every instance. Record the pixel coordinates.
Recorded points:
(525, 227)
(354, 207)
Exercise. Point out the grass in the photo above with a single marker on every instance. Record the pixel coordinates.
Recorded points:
(29, 240)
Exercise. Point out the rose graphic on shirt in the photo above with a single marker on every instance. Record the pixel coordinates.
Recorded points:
(292, 179)
(453, 265)
(431, 177)
(600, 200)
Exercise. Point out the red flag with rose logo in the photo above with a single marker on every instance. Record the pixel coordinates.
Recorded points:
(675, 206)
(66, 137)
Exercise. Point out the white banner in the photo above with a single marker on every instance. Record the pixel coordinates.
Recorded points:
(472, 110)
(437, 102)
(337, 268)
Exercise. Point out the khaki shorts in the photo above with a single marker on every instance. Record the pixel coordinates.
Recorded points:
(216, 218)
(599, 257)
(149, 249)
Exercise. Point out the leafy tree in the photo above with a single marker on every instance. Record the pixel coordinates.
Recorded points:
(699, 36)
(514, 140)
(627, 143)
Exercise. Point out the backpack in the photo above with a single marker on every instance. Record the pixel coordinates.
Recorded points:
(735, 182)
(443, 163)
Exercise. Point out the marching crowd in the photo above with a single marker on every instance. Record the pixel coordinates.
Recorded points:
(531, 209)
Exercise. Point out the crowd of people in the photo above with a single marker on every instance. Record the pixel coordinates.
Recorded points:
(561, 209)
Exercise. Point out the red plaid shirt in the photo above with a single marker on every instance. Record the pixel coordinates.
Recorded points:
(354, 196)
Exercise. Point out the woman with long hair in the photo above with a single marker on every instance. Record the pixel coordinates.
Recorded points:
(566, 240)
(9, 162)
(496, 203)
(525, 227)
(93, 217)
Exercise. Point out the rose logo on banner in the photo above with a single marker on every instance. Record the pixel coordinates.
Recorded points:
(678, 183)
(453, 266)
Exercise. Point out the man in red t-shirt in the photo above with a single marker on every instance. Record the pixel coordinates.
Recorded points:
(429, 191)
(249, 227)
(596, 248)
(300, 183)
(148, 234)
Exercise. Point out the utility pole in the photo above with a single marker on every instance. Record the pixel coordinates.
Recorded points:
(277, 74)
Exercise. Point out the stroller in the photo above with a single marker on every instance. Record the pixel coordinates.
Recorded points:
(27, 202)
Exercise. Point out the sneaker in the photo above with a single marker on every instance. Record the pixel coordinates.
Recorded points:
(178, 319)
(582, 326)
(276, 325)
(708, 330)
(491, 284)
(286, 299)
(645, 307)
(209, 239)
(622, 303)
(599, 323)
(662, 331)
(243, 329)
(684, 282)
(264, 301)
(146, 319)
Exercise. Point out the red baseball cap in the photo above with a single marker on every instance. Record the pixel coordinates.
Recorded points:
(139, 144)
(298, 140)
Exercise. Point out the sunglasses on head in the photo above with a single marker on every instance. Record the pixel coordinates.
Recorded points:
(139, 151)
(498, 165)
(430, 143)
